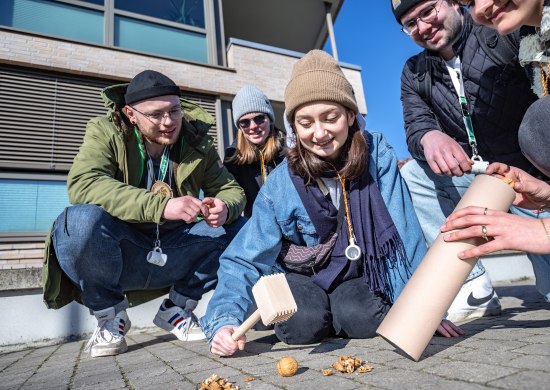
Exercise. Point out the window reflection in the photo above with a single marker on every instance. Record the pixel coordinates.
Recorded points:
(190, 12)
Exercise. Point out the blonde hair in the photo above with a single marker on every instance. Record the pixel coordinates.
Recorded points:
(248, 153)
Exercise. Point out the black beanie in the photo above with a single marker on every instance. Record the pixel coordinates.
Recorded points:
(401, 7)
(148, 84)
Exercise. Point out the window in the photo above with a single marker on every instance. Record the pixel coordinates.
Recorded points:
(190, 12)
(172, 28)
(52, 18)
(164, 40)
(30, 206)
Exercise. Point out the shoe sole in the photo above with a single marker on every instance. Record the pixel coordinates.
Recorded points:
(100, 351)
(478, 313)
(158, 321)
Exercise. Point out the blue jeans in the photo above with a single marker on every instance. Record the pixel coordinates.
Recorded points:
(435, 197)
(105, 257)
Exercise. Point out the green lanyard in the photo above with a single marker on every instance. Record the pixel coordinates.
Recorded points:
(142, 154)
(163, 162)
(459, 86)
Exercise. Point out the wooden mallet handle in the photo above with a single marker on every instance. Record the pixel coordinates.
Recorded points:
(245, 326)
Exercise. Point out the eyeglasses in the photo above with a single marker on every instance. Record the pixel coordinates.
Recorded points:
(158, 117)
(258, 120)
(427, 15)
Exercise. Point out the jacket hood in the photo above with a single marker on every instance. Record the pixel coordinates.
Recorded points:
(194, 128)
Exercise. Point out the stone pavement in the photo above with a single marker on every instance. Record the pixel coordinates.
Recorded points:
(507, 352)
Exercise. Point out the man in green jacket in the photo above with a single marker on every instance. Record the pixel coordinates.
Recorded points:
(137, 222)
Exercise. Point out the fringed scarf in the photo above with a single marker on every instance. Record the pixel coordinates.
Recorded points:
(373, 227)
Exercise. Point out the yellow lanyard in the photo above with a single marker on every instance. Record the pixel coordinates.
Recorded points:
(262, 167)
(352, 252)
(544, 77)
(346, 207)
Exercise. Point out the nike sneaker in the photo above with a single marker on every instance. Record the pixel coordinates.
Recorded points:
(476, 299)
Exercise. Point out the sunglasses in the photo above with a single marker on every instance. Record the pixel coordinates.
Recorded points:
(258, 120)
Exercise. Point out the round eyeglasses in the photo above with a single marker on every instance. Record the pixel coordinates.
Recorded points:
(427, 15)
(158, 117)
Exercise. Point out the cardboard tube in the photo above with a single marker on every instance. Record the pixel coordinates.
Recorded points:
(414, 317)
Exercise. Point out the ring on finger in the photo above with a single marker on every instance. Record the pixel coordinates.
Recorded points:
(484, 233)
(485, 211)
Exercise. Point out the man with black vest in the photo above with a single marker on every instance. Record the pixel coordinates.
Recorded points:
(463, 97)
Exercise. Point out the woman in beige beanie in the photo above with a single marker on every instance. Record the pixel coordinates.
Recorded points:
(335, 216)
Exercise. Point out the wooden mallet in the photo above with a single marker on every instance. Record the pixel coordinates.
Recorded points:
(274, 300)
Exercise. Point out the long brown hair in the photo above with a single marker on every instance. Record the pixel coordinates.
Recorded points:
(354, 154)
(248, 153)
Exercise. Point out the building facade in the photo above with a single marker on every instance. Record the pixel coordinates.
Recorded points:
(57, 55)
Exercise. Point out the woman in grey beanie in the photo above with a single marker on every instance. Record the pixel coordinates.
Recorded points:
(258, 148)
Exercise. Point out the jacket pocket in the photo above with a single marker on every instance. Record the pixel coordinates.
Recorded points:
(299, 230)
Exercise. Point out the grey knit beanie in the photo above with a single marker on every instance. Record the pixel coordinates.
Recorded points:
(401, 7)
(316, 77)
(251, 99)
(534, 136)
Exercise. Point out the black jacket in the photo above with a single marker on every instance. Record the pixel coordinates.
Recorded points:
(498, 97)
(249, 176)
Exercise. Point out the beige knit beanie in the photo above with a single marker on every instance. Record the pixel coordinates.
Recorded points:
(316, 77)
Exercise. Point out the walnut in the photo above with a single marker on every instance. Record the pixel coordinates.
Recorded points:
(327, 372)
(287, 366)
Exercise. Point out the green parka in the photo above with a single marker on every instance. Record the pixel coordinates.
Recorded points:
(108, 169)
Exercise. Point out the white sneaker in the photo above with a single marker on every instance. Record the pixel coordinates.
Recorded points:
(108, 338)
(182, 323)
(476, 299)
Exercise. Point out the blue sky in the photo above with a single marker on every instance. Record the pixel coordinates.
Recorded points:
(368, 35)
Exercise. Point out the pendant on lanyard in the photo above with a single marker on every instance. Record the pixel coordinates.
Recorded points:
(353, 251)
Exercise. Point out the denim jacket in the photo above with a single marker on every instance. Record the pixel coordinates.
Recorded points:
(279, 213)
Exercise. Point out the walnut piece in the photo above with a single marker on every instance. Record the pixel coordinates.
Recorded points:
(214, 382)
(348, 364)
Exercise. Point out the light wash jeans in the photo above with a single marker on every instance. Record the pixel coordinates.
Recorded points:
(435, 197)
(105, 257)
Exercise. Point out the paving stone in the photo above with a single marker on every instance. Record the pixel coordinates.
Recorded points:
(470, 371)
(511, 351)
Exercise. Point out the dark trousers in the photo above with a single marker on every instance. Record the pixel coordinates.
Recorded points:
(350, 311)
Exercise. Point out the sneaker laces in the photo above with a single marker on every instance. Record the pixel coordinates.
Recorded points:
(191, 322)
(104, 332)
